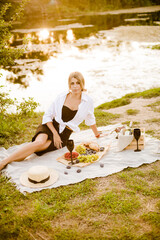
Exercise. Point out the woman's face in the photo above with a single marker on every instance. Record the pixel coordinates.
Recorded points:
(75, 85)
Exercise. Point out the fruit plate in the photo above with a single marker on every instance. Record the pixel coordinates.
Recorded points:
(82, 164)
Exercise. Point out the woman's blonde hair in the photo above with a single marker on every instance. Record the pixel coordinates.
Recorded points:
(79, 77)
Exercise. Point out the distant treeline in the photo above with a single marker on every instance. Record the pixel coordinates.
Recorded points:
(106, 4)
(66, 8)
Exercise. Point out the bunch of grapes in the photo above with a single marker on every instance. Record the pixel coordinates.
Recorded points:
(88, 158)
(89, 152)
(80, 149)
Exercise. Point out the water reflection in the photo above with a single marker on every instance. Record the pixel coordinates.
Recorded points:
(41, 55)
(70, 36)
(110, 66)
(43, 35)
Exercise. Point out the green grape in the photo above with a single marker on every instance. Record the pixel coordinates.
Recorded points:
(88, 158)
(80, 149)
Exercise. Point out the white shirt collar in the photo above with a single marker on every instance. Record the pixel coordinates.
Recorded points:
(83, 96)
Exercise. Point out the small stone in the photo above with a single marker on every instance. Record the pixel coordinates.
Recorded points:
(78, 170)
(65, 172)
(68, 167)
(101, 165)
(101, 149)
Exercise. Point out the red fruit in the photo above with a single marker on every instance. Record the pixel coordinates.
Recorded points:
(67, 155)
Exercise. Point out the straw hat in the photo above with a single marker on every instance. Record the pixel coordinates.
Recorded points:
(39, 177)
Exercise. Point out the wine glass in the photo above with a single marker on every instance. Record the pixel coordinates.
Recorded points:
(137, 134)
(70, 146)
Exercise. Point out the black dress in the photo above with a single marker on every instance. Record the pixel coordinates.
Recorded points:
(67, 115)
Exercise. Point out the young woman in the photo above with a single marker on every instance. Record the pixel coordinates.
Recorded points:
(62, 118)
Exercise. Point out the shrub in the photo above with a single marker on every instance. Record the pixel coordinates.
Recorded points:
(13, 123)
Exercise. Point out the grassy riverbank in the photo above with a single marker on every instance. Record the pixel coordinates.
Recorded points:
(125, 205)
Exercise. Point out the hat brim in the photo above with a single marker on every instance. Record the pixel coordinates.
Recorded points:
(25, 182)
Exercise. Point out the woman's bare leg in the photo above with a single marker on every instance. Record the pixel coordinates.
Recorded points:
(41, 143)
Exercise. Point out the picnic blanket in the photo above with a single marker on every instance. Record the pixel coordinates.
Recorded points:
(113, 161)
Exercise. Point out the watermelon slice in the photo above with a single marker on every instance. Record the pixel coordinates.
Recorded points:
(67, 155)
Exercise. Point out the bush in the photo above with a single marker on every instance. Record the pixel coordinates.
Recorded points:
(11, 123)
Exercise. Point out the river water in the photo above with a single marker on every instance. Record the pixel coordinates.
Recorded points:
(112, 67)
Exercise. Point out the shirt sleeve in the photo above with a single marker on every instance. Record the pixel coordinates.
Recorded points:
(49, 114)
(90, 118)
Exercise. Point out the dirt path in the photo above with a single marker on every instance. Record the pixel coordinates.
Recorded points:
(146, 117)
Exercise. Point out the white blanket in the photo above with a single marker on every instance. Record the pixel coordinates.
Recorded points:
(113, 161)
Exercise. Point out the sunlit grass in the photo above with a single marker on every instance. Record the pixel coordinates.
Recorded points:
(152, 217)
(20, 129)
(124, 205)
(150, 132)
(102, 118)
(153, 120)
(115, 103)
(156, 47)
(134, 123)
(116, 202)
(155, 106)
(85, 210)
(146, 183)
(155, 92)
(132, 111)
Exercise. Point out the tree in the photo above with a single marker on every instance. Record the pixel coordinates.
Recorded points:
(8, 14)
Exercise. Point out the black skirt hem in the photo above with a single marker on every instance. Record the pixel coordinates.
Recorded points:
(43, 128)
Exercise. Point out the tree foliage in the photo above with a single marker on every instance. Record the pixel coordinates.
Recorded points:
(8, 14)
(106, 4)
(67, 8)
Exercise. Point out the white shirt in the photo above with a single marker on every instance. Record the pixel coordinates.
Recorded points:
(85, 112)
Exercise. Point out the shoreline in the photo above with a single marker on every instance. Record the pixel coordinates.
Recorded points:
(143, 34)
(147, 9)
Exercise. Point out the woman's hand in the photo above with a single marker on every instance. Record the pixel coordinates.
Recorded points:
(57, 140)
(99, 134)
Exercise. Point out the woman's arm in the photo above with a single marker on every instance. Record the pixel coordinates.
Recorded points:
(56, 137)
(49, 114)
(95, 131)
(90, 119)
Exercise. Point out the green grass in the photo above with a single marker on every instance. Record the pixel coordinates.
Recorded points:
(85, 210)
(155, 106)
(156, 47)
(150, 132)
(132, 111)
(102, 118)
(115, 103)
(16, 130)
(13, 126)
(117, 202)
(142, 182)
(155, 92)
(153, 120)
(153, 217)
(134, 124)
(122, 206)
